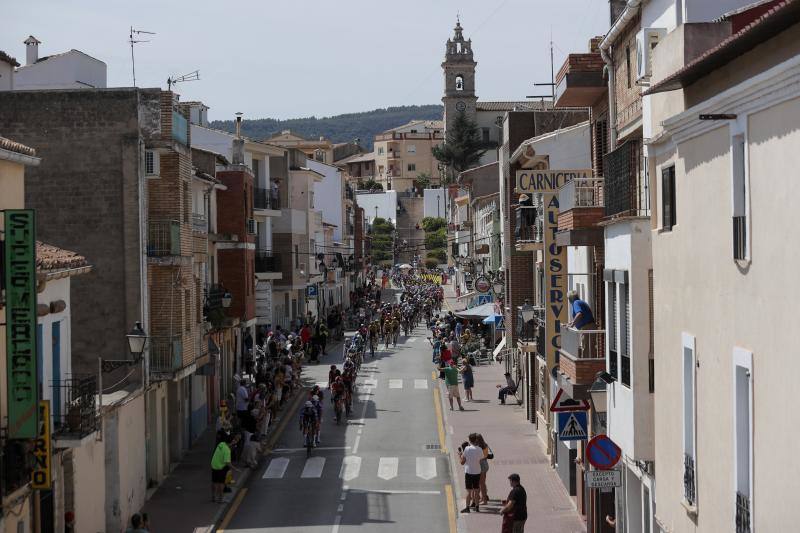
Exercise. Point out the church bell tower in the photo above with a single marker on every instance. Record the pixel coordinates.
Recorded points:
(459, 77)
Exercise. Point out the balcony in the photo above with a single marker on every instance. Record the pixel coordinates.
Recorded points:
(580, 210)
(579, 82)
(393, 154)
(199, 223)
(532, 331)
(163, 238)
(689, 491)
(742, 513)
(265, 199)
(166, 356)
(624, 194)
(582, 355)
(265, 262)
(75, 414)
(529, 230)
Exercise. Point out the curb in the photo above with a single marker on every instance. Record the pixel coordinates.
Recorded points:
(461, 526)
(270, 443)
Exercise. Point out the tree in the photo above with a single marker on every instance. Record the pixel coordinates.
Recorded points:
(463, 147)
(382, 239)
(422, 181)
(370, 185)
(433, 223)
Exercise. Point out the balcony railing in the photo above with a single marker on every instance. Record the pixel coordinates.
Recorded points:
(530, 331)
(163, 238)
(263, 198)
(265, 261)
(75, 407)
(582, 192)
(623, 196)
(348, 192)
(689, 488)
(583, 343)
(17, 464)
(199, 223)
(530, 227)
(166, 355)
(740, 237)
(213, 296)
(742, 513)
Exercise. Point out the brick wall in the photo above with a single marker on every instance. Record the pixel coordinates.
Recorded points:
(86, 195)
(235, 206)
(584, 217)
(626, 92)
(237, 275)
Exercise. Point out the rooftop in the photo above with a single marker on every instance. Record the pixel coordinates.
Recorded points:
(11, 146)
(512, 106)
(8, 59)
(51, 258)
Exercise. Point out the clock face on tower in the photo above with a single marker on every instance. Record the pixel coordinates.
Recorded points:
(461, 106)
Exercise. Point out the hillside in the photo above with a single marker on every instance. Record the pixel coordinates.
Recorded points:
(339, 128)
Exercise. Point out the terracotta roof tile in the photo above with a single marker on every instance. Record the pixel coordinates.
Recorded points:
(11, 146)
(8, 59)
(49, 257)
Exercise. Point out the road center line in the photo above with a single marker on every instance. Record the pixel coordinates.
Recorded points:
(355, 445)
(336, 522)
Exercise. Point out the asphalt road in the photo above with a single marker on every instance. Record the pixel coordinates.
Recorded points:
(383, 471)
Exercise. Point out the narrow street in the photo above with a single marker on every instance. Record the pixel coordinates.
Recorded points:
(383, 470)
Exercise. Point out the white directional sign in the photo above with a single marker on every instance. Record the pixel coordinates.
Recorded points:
(351, 466)
(387, 468)
(601, 479)
(426, 467)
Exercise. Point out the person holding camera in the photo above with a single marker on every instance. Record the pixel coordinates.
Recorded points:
(470, 455)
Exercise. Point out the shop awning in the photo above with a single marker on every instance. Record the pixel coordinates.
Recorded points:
(477, 313)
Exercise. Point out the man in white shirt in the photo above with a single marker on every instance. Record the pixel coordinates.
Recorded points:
(470, 456)
(242, 400)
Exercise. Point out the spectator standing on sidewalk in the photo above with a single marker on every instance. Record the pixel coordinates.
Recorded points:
(242, 401)
(515, 508)
(451, 381)
(466, 376)
(487, 454)
(220, 464)
(469, 455)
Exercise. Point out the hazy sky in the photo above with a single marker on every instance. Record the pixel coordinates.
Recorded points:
(287, 59)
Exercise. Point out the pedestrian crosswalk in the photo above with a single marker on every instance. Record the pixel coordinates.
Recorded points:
(391, 383)
(351, 467)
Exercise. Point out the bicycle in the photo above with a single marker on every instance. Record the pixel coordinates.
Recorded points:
(308, 435)
(373, 343)
(337, 408)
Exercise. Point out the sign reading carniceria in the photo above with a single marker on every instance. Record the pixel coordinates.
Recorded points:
(547, 181)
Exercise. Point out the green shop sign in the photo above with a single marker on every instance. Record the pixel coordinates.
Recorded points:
(19, 269)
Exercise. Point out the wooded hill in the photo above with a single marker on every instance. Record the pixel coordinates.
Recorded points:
(339, 128)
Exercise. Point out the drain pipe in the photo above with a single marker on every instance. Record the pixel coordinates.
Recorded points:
(630, 11)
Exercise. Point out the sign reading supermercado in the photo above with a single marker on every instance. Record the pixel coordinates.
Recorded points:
(20, 280)
(547, 181)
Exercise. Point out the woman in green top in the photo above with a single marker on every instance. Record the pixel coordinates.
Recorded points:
(220, 464)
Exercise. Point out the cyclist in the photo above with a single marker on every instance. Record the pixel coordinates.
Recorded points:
(395, 330)
(373, 337)
(332, 375)
(338, 391)
(308, 423)
(348, 378)
(317, 402)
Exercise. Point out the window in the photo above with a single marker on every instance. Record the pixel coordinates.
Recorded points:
(689, 422)
(151, 163)
(485, 134)
(651, 317)
(743, 436)
(612, 329)
(668, 210)
(600, 144)
(256, 168)
(56, 369)
(186, 202)
(380, 150)
(459, 83)
(412, 167)
(739, 188)
(628, 72)
(412, 149)
(625, 333)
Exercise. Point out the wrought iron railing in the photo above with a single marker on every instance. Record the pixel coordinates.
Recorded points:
(199, 223)
(262, 198)
(742, 513)
(529, 330)
(623, 196)
(166, 354)
(582, 192)
(213, 296)
(17, 464)
(530, 224)
(265, 261)
(740, 237)
(75, 406)
(689, 487)
(163, 238)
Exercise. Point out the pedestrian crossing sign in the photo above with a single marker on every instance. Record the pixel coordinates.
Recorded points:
(484, 299)
(572, 425)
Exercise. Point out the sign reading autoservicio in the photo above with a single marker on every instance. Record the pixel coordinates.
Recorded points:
(19, 269)
(547, 181)
(602, 479)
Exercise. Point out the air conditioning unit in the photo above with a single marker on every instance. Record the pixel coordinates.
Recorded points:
(252, 227)
(646, 40)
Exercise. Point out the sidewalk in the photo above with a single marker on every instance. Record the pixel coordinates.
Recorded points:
(516, 448)
(182, 503)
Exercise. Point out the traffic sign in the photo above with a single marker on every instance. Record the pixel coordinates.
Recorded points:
(482, 285)
(572, 426)
(602, 452)
(484, 299)
(603, 479)
(311, 290)
(560, 405)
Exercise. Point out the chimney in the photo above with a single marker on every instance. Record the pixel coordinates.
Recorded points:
(31, 50)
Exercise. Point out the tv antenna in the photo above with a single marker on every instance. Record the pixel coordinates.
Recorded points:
(136, 40)
(192, 76)
(551, 84)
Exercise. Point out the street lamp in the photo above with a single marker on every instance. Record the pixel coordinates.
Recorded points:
(498, 287)
(528, 312)
(137, 338)
(226, 299)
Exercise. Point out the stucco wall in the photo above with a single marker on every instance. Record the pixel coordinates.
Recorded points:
(88, 480)
(386, 202)
(124, 431)
(328, 196)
